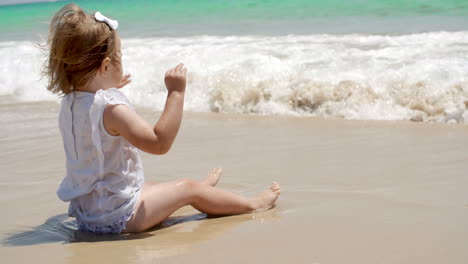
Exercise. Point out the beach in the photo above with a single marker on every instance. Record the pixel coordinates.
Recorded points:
(352, 192)
(358, 109)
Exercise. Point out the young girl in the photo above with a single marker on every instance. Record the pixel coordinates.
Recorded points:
(101, 134)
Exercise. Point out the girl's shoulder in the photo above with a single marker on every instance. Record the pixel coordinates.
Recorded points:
(111, 96)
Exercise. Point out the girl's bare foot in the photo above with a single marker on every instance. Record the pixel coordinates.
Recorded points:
(213, 177)
(267, 198)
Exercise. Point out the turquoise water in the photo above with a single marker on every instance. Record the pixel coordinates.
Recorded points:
(247, 17)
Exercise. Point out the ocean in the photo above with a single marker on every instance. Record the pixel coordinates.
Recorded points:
(359, 59)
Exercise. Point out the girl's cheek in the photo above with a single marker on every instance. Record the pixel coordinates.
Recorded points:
(118, 74)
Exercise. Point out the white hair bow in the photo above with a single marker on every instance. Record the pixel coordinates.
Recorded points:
(114, 24)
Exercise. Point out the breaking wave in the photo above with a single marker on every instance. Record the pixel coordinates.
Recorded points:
(418, 77)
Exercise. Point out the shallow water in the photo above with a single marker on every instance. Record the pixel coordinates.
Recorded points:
(353, 192)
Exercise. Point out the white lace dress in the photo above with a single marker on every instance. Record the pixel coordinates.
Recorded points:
(104, 172)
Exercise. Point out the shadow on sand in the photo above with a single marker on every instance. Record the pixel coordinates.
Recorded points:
(61, 228)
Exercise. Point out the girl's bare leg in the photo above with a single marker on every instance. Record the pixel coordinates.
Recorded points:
(211, 179)
(159, 201)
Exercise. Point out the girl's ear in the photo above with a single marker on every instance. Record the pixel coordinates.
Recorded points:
(104, 66)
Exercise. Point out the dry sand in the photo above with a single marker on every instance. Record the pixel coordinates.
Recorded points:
(354, 192)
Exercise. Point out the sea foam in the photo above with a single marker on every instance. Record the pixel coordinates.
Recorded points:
(419, 77)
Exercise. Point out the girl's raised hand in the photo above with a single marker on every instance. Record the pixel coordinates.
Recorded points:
(127, 78)
(175, 79)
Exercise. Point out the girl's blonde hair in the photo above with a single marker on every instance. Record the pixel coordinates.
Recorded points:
(77, 45)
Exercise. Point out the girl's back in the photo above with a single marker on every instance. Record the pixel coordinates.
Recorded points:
(104, 172)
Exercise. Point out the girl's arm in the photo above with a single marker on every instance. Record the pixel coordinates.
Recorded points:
(121, 120)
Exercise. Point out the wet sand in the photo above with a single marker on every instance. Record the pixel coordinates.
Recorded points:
(353, 192)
